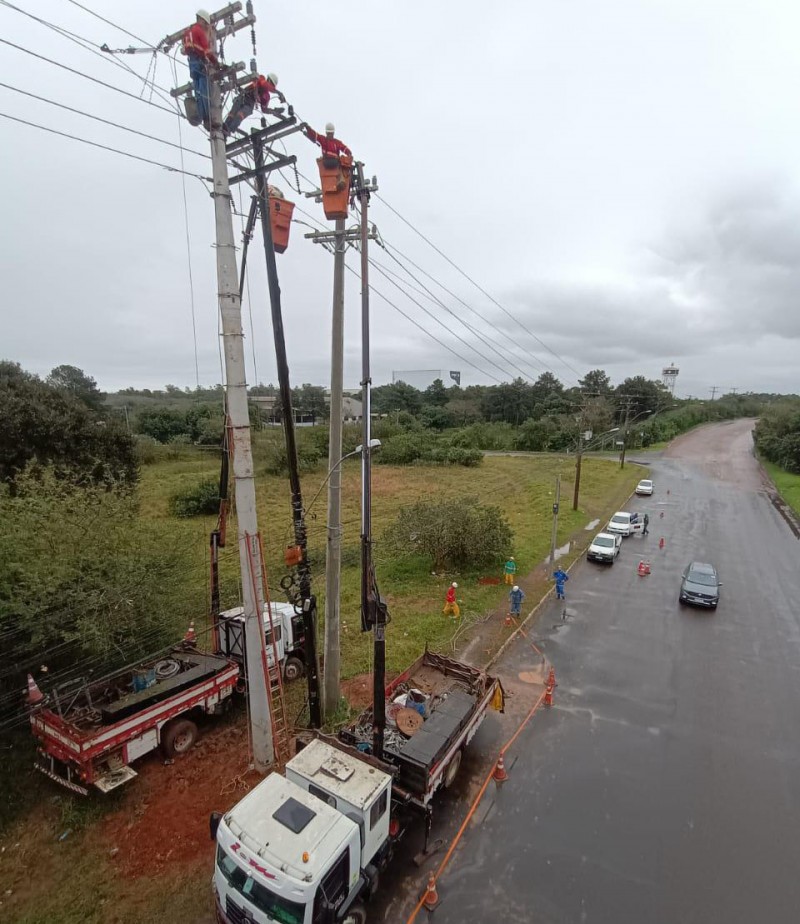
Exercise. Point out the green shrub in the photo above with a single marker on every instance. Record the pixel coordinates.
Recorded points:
(197, 500)
(458, 533)
(308, 459)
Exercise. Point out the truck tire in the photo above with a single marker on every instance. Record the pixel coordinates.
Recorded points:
(293, 669)
(177, 737)
(355, 914)
(451, 772)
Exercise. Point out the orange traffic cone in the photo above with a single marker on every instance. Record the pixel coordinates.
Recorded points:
(548, 694)
(661, 543)
(191, 636)
(641, 569)
(551, 678)
(34, 695)
(500, 775)
(431, 899)
(647, 567)
(509, 620)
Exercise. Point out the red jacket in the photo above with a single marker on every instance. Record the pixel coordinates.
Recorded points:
(197, 41)
(332, 147)
(263, 89)
(451, 595)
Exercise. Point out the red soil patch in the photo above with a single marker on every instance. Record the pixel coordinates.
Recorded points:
(163, 822)
(358, 690)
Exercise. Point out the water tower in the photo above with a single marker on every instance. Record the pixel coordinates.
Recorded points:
(668, 376)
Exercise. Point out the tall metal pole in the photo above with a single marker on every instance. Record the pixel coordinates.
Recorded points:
(373, 611)
(333, 558)
(308, 602)
(554, 537)
(578, 461)
(625, 435)
(230, 308)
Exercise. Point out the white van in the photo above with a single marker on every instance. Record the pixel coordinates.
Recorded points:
(625, 524)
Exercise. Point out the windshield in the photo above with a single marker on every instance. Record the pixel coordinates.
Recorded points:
(605, 541)
(279, 909)
(645, 484)
(620, 518)
(702, 577)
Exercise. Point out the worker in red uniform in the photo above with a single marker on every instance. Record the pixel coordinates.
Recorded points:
(198, 46)
(257, 92)
(451, 607)
(332, 148)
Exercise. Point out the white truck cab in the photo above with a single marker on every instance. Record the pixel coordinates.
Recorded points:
(624, 523)
(304, 848)
(288, 630)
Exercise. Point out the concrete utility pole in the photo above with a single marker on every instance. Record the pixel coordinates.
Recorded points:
(333, 560)
(554, 538)
(230, 309)
(714, 389)
(333, 551)
(578, 460)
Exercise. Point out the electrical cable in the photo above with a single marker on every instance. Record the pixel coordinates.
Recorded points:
(104, 147)
(477, 285)
(102, 83)
(88, 115)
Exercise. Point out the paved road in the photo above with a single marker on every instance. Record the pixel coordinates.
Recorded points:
(663, 787)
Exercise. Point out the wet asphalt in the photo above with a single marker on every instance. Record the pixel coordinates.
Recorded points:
(663, 785)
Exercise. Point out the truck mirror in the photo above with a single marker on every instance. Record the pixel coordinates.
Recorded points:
(213, 824)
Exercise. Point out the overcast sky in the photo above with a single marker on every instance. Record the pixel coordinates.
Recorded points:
(620, 177)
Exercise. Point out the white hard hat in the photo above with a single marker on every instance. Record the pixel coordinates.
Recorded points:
(330, 127)
(512, 558)
(204, 15)
(515, 587)
(454, 584)
(273, 78)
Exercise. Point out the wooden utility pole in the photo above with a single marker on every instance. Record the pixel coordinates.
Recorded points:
(230, 308)
(625, 434)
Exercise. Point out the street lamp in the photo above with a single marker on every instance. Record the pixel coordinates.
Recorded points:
(373, 444)
(579, 458)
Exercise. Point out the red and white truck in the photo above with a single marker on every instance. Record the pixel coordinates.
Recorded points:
(88, 734)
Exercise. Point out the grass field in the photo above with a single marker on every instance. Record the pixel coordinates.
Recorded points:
(78, 880)
(788, 485)
(522, 487)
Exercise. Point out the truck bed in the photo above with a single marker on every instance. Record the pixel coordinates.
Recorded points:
(457, 694)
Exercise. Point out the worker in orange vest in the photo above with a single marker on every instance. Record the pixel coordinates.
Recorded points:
(198, 46)
(258, 92)
(450, 606)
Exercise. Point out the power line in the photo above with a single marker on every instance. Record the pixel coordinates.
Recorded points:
(104, 147)
(478, 286)
(109, 22)
(433, 316)
(88, 115)
(479, 334)
(391, 247)
(102, 83)
(87, 45)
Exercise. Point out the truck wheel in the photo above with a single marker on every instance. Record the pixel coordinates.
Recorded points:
(178, 737)
(451, 772)
(293, 669)
(356, 914)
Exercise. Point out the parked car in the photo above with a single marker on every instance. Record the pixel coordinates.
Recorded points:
(700, 585)
(624, 523)
(604, 547)
(645, 486)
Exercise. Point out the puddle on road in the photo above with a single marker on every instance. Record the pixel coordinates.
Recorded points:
(560, 553)
(592, 525)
